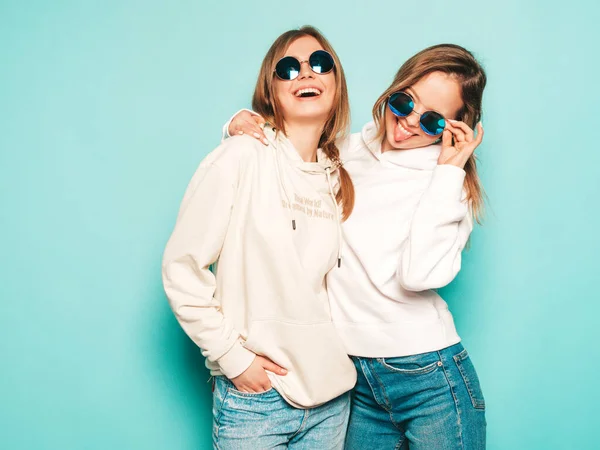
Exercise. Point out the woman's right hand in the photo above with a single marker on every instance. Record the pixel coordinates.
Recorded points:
(247, 123)
(254, 379)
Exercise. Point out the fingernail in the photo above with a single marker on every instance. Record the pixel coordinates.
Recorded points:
(283, 371)
(265, 141)
(256, 135)
(240, 132)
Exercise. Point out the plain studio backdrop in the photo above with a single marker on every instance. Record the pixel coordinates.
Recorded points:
(107, 108)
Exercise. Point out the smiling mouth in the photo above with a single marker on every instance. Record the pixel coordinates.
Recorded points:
(307, 92)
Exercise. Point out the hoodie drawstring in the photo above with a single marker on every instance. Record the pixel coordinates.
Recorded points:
(282, 185)
(337, 215)
(291, 211)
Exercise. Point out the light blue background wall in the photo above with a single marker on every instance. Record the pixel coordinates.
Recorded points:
(106, 108)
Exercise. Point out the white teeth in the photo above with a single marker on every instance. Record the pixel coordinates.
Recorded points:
(307, 91)
(404, 130)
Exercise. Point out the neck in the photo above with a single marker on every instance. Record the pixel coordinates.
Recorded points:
(305, 138)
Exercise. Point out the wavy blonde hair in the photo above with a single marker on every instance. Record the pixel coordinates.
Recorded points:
(458, 62)
(265, 103)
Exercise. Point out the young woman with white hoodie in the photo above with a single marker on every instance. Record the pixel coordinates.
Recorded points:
(417, 195)
(269, 219)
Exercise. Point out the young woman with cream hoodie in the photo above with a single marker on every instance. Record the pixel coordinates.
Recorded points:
(269, 219)
(417, 195)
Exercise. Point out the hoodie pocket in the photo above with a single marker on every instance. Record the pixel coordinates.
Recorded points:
(318, 367)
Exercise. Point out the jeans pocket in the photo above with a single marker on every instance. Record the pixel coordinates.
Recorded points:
(251, 406)
(233, 391)
(409, 365)
(469, 376)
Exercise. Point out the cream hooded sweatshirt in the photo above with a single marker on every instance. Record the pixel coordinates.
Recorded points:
(269, 222)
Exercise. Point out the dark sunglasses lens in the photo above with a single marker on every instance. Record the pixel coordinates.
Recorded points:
(433, 123)
(401, 104)
(321, 61)
(287, 68)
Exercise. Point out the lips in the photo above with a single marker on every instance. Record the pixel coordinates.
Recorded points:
(307, 92)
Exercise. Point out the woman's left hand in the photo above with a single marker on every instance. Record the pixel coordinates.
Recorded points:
(465, 143)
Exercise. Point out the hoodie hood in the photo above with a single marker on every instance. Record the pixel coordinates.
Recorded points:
(323, 166)
(281, 142)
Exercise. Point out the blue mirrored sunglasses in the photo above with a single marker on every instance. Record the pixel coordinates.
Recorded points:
(402, 104)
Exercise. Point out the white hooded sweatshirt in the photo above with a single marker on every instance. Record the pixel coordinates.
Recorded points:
(402, 241)
(269, 222)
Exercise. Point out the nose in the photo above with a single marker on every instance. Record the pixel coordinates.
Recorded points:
(413, 119)
(305, 70)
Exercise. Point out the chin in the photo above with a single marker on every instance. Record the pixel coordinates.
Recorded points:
(307, 114)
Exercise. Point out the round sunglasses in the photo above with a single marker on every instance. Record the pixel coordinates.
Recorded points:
(402, 104)
(288, 68)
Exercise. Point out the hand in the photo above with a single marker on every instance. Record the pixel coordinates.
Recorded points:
(464, 143)
(246, 123)
(254, 379)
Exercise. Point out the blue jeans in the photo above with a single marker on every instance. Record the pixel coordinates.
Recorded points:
(244, 421)
(431, 401)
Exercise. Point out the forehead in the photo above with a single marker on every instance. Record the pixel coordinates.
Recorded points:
(438, 91)
(303, 47)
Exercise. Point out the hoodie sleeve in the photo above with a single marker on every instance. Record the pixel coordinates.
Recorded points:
(440, 229)
(226, 126)
(195, 244)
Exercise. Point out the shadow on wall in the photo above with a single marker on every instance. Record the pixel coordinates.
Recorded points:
(181, 375)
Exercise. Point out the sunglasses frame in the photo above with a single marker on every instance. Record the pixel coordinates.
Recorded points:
(393, 110)
(305, 61)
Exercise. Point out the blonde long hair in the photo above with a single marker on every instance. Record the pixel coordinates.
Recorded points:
(458, 62)
(265, 103)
